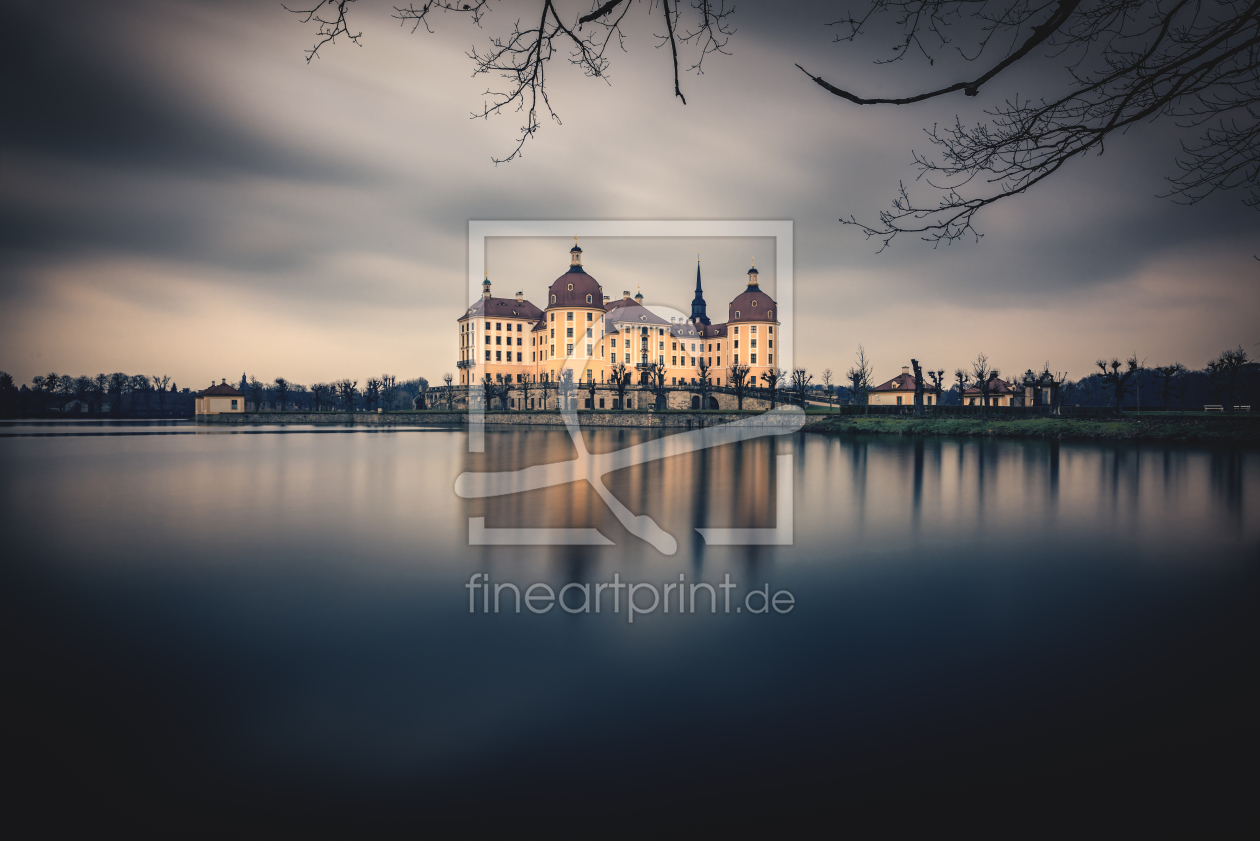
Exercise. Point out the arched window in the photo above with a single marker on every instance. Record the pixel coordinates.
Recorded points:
(570, 287)
(588, 299)
(737, 313)
(553, 299)
(770, 314)
(754, 302)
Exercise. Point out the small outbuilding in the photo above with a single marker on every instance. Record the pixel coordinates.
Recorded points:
(219, 399)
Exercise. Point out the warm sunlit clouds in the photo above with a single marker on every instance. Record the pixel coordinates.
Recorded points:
(182, 195)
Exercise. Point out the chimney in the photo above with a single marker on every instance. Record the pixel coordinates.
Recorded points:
(625, 296)
(905, 369)
(605, 297)
(520, 297)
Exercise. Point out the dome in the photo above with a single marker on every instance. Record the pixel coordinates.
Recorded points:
(753, 305)
(575, 288)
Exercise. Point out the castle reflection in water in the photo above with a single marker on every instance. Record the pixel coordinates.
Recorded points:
(892, 492)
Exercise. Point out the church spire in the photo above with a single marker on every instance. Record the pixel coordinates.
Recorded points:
(699, 313)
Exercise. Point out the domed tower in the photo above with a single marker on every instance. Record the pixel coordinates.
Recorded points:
(573, 323)
(752, 327)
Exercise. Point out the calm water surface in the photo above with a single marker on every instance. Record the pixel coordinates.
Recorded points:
(262, 620)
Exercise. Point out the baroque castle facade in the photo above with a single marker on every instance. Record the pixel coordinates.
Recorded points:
(512, 340)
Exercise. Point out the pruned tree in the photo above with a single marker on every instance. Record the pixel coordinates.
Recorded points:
(773, 378)
(160, 384)
(371, 393)
(828, 386)
(620, 379)
(281, 386)
(119, 384)
(1118, 380)
(859, 377)
(389, 390)
(800, 385)
(963, 379)
(983, 376)
(938, 384)
(320, 392)
(737, 376)
(348, 393)
(256, 392)
(100, 385)
(1166, 374)
(918, 388)
(1223, 374)
(656, 373)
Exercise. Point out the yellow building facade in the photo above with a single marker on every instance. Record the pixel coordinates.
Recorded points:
(581, 328)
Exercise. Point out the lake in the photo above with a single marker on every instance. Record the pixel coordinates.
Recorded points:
(276, 624)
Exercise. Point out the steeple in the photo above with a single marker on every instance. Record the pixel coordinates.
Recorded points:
(698, 306)
(752, 273)
(575, 257)
(485, 287)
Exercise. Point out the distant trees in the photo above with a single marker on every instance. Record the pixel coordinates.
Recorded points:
(347, 393)
(938, 384)
(389, 390)
(256, 393)
(1166, 374)
(827, 386)
(1118, 380)
(1223, 374)
(322, 393)
(737, 376)
(371, 393)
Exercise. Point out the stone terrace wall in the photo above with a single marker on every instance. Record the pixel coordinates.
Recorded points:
(684, 420)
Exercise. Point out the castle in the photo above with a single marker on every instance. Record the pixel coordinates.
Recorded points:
(511, 340)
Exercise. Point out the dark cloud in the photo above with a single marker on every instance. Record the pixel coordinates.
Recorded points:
(190, 145)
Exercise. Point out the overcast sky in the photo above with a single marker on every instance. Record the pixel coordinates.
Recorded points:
(182, 194)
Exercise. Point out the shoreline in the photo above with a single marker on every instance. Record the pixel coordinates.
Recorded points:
(1170, 429)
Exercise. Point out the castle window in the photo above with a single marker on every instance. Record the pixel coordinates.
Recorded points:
(772, 327)
(770, 314)
(568, 316)
(754, 329)
(553, 300)
(588, 300)
(487, 326)
(754, 302)
(570, 287)
(737, 327)
(590, 316)
(518, 328)
(737, 316)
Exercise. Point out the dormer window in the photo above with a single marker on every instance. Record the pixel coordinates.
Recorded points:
(553, 299)
(770, 314)
(570, 287)
(754, 302)
(737, 313)
(588, 297)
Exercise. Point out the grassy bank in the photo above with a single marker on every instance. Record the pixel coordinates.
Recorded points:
(1180, 428)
